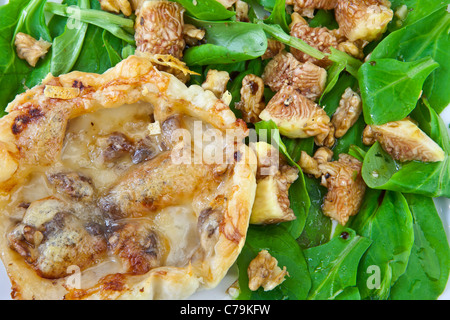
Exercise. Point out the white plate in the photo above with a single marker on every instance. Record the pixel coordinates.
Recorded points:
(218, 293)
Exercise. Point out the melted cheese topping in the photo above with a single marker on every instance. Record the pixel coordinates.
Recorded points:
(83, 153)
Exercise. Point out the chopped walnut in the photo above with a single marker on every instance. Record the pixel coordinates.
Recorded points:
(242, 11)
(30, 49)
(216, 81)
(312, 4)
(159, 28)
(263, 271)
(274, 47)
(192, 35)
(348, 112)
(310, 165)
(363, 19)
(295, 115)
(285, 69)
(345, 186)
(116, 6)
(404, 141)
(252, 98)
(320, 38)
(326, 139)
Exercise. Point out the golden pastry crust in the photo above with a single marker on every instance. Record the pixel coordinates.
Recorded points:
(32, 136)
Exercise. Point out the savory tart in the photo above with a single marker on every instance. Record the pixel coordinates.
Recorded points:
(105, 193)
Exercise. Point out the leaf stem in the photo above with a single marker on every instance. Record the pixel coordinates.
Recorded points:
(277, 32)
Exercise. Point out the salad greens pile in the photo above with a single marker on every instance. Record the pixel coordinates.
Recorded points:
(396, 246)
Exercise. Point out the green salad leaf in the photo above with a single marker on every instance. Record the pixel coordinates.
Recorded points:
(211, 10)
(333, 266)
(427, 271)
(431, 179)
(426, 37)
(227, 42)
(283, 247)
(385, 219)
(390, 88)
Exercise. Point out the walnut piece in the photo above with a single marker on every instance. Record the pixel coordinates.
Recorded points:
(285, 69)
(252, 98)
(242, 11)
(159, 28)
(363, 19)
(274, 47)
(345, 186)
(320, 38)
(192, 35)
(348, 112)
(312, 4)
(310, 165)
(216, 81)
(404, 141)
(116, 6)
(274, 177)
(30, 49)
(295, 115)
(263, 271)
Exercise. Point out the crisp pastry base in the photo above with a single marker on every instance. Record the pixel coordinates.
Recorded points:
(32, 136)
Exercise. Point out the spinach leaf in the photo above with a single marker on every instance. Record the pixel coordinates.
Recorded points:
(415, 10)
(283, 248)
(113, 46)
(324, 18)
(317, 229)
(333, 266)
(118, 26)
(330, 100)
(333, 73)
(385, 219)
(278, 16)
(268, 131)
(17, 15)
(432, 179)
(211, 10)
(390, 88)
(427, 272)
(380, 171)
(227, 42)
(427, 37)
(67, 47)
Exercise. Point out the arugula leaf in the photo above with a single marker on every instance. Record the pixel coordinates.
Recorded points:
(390, 89)
(385, 219)
(427, 37)
(227, 42)
(67, 47)
(118, 26)
(427, 272)
(333, 266)
(285, 249)
(206, 9)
